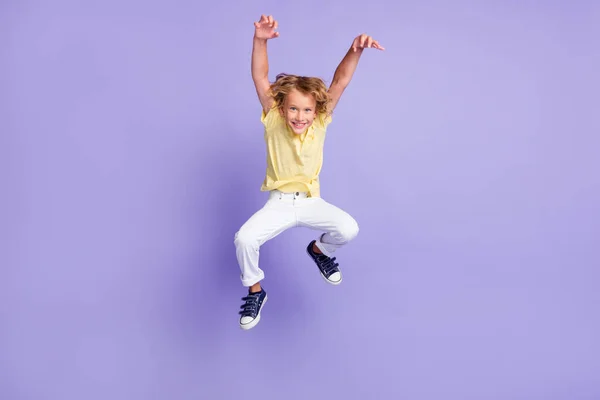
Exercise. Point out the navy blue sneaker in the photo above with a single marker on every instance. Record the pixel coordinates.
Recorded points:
(327, 266)
(250, 314)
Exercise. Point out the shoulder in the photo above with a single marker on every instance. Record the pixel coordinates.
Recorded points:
(322, 120)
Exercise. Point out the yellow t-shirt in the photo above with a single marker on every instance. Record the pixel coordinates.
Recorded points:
(293, 161)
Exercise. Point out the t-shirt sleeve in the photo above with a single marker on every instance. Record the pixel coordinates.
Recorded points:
(324, 120)
(269, 117)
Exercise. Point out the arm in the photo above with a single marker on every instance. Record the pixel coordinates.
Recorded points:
(264, 30)
(345, 71)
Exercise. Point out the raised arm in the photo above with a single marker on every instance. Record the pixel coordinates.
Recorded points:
(264, 30)
(345, 71)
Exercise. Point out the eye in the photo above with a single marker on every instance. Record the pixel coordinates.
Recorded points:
(293, 108)
(308, 110)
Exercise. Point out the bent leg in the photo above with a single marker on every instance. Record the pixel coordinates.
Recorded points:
(339, 226)
(271, 220)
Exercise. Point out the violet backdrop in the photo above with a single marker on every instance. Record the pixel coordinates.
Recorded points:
(132, 151)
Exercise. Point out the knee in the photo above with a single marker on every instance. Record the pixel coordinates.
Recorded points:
(349, 230)
(245, 238)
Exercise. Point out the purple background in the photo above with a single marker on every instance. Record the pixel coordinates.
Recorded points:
(131, 152)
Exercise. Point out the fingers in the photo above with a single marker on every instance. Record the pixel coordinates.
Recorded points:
(273, 24)
(377, 45)
(365, 41)
(267, 20)
(359, 42)
(268, 25)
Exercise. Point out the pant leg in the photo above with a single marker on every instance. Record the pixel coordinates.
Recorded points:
(274, 218)
(339, 226)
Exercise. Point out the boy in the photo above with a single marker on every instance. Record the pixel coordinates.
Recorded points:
(296, 113)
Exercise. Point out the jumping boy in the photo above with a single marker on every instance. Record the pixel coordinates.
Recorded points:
(296, 111)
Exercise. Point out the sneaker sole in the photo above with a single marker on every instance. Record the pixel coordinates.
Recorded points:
(323, 276)
(256, 320)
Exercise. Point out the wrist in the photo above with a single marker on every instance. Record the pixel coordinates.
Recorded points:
(259, 40)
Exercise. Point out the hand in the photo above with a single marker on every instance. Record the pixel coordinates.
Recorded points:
(265, 28)
(364, 41)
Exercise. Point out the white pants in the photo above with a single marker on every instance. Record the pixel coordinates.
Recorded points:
(288, 210)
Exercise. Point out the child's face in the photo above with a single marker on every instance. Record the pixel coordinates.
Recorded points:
(299, 111)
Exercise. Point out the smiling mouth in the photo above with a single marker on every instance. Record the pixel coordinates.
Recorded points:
(299, 124)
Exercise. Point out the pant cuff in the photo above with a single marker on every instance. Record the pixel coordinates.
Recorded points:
(247, 282)
(322, 246)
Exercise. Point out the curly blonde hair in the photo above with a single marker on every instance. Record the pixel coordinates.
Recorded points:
(285, 83)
